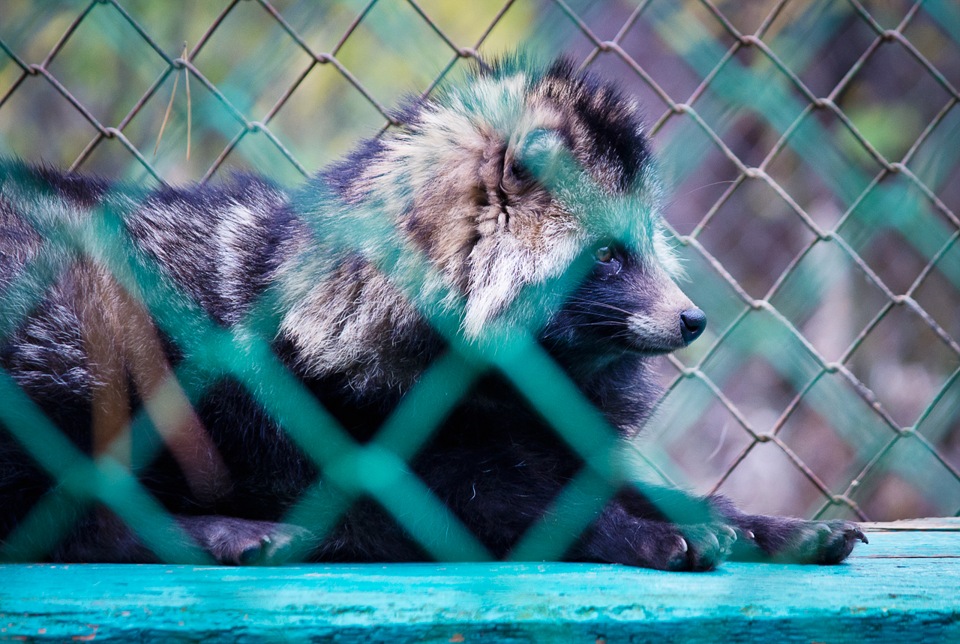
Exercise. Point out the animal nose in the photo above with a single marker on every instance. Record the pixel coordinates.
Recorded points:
(692, 324)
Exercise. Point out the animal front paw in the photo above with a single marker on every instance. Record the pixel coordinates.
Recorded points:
(244, 542)
(789, 540)
(707, 545)
(695, 547)
(825, 542)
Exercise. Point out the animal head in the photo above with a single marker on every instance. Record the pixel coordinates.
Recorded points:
(507, 180)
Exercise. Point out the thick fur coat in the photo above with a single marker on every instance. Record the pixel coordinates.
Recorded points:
(519, 203)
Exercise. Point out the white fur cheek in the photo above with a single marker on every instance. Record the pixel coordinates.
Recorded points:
(667, 255)
(494, 282)
(507, 266)
(558, 260)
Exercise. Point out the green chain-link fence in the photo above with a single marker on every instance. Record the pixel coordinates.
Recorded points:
(813, 153)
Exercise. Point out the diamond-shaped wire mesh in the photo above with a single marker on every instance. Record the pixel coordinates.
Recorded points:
(813, 153)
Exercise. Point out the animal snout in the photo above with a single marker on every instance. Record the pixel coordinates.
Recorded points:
(692, 323)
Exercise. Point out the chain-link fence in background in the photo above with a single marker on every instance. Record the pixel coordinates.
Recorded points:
(812, 152)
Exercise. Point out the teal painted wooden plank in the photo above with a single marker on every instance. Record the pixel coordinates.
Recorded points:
(903, 586)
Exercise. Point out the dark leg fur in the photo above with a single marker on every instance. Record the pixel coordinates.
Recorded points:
(629, 531)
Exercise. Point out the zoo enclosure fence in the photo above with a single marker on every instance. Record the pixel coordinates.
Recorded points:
(813, 149)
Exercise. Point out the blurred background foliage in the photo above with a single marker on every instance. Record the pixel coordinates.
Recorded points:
(811, 150)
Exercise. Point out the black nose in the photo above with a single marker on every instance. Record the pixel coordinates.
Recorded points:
(692, 324)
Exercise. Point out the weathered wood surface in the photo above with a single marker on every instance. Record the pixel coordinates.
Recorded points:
(904, 586)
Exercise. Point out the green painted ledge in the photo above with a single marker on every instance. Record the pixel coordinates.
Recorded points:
(904, 586)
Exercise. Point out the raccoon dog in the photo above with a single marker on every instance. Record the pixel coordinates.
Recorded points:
(520, 203)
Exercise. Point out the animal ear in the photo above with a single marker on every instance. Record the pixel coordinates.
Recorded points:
(539, 153)
(536, 157)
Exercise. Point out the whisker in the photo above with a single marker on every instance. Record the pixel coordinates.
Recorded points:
(599, 304)
(604, 316)
(703, 187)
(599, 323)
(621, 330)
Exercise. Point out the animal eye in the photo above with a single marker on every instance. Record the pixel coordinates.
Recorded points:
(609, 259)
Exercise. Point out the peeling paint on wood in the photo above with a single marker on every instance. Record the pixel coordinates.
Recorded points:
(948, 524)
(904, 586)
